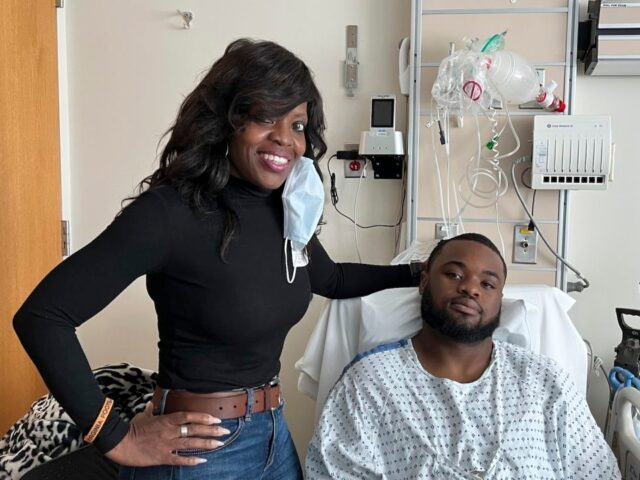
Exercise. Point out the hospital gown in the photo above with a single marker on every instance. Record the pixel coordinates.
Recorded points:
(388, 418)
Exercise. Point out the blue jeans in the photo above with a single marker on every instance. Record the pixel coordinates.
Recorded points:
(258, 447)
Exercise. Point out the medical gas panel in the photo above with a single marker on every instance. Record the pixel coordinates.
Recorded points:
(571, 152)
(542, 32)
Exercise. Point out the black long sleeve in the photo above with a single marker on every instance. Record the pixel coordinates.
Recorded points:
(76, 290)
(348, 280)
(222, 324)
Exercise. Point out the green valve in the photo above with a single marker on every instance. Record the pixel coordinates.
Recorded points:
(493, 142)
(494, 44)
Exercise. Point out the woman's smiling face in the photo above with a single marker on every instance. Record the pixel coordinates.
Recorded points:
(264, 150)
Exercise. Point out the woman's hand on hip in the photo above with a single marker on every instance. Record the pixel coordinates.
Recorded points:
(154, 440)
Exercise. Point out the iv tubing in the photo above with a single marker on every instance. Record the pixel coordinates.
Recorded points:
(526, 209)
(435, 158)
(355, 209)
(499, 232)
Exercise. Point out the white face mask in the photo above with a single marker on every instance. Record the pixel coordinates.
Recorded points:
(303, 201)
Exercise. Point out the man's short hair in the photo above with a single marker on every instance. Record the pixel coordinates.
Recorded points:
(472, 237)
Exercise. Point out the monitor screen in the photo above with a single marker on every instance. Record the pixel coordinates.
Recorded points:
(382, 112)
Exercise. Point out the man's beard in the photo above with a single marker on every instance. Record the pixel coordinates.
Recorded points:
(441, 321)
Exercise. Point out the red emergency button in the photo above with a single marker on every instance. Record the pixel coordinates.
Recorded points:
(354, 166)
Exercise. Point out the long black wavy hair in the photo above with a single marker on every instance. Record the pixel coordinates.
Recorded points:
(258, 75)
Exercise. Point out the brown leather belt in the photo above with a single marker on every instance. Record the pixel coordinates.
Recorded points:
(222, 405)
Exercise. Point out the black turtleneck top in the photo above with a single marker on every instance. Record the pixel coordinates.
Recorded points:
(222, 324)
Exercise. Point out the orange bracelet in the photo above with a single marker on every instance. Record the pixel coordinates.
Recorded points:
(99, 423)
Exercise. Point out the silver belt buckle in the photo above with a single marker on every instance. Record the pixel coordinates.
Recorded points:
(274, 382)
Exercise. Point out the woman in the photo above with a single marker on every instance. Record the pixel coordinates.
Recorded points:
(221, 240)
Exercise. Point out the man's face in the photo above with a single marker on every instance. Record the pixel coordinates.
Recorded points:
(462, 291)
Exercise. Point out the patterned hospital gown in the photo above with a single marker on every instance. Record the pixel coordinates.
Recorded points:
(388, 418)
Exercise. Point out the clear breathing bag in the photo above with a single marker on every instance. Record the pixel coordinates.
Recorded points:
(471, 79)
(461, 84)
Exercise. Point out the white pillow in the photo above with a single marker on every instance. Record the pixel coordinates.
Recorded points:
(391, 315)
(533, 316)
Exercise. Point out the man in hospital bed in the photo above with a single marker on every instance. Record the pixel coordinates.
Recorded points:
(452, 402)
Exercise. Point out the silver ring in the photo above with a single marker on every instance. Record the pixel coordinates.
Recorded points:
(184, 431)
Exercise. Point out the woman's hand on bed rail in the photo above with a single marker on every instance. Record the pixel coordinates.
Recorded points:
(154, 440)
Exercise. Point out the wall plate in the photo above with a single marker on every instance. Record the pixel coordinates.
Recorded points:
(354, 168)
(443, 232)
(525, 244)
(351, 169)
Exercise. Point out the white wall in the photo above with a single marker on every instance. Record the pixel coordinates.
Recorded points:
(130, 64)
(605, 225)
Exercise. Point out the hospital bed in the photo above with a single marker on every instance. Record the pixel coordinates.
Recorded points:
(623, 430)
(533, 316)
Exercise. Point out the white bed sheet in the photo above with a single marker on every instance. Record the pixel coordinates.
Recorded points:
(533, 316)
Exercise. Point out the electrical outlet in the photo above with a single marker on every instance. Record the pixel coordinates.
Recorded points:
(443, 232)
(353, 168)
(525, 244)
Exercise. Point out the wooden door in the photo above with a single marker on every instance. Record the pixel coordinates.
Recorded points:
(30, 198)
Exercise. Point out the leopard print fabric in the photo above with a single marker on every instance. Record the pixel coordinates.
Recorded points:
(47, 432)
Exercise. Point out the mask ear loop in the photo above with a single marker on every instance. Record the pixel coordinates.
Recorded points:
(286, 263)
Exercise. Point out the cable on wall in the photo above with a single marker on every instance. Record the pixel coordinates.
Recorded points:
(335, 199)
(572, 286)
